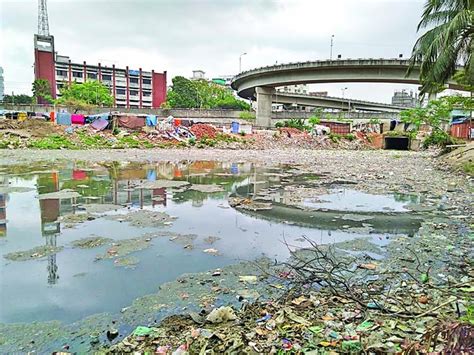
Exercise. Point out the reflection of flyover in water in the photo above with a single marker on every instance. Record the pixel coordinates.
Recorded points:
(333, 102)
(380, 222)
(261, 83)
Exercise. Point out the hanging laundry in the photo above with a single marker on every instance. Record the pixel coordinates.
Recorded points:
(22, 116)
(64, 118)
(100, 124)
(151, 120)
(79, 174)
(131, 122)
(77, 119)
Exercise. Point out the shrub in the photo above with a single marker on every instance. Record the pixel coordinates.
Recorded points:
(53, 141)
(247, 115)
(297, 123)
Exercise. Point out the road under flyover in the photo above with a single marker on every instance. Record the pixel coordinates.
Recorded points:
(260, 83)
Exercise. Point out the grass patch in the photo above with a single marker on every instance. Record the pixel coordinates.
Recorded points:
(468, 168)
(247, 115)
(94, 141)
(53, 141)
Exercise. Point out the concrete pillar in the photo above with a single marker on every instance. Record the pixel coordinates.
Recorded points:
(264, 106)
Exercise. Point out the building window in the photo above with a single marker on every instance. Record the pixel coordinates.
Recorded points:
(133, 80)
(133, 92)
(92, 76)
(61, 72)
(146, 81)
(146, 93)
(106, 77)
(120, 91)
(76, 74)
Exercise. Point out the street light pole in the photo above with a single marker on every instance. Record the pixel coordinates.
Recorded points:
(240, 61)
(342, 103)
(332, 43)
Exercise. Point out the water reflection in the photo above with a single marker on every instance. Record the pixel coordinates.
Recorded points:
(77, 284)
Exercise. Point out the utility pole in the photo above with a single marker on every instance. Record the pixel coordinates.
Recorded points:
(342, 103)
(332, 43)
(240, 61)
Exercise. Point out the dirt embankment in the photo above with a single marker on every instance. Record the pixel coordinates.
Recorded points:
(462, 158)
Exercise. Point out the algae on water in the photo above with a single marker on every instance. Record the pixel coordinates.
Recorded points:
(34, 253)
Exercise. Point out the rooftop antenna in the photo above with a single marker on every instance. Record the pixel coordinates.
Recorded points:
(43, 25)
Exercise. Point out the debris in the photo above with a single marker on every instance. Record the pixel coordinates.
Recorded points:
(34, 253)
(90, 242)
(222, 314)
(211, 251)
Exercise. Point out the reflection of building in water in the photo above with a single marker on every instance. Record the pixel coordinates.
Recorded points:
(50, 226)
(3, 207)
(53, 275)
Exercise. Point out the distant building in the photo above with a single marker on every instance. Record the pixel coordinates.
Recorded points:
(404, 99)
(301, 89)
(130, 88)
(2, 85)
(198, 75)
(224, 80)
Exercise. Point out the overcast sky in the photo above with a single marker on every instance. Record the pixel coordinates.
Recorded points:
(182, 35)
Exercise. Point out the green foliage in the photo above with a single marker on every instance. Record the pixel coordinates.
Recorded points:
(468, 168)
(42, 90)
(187, 93)
(335, 137)
(297, 123)
(435, 115)
(374, 121)
(53, 141)
(220, 138)
(247, 115)
(314, 120)
(400, 134)
(94, 141)
(439, 138)
(128, 142)
(192, 141)
(350, 137)
(462, 78)
(18, 99)
(447, 41)
(90, 93)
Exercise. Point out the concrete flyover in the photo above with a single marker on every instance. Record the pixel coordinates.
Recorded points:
(333, 102)
(261, 83)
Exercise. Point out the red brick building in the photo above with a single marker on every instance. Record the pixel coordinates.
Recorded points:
(130, 88)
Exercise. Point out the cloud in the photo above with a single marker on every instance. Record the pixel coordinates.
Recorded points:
(182, 35)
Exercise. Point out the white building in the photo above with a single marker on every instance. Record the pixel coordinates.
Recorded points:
(301, 89)
(198, 75)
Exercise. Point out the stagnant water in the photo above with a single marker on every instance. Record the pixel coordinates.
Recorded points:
(73, 284)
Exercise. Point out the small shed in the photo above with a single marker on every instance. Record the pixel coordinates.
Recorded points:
(461, 128)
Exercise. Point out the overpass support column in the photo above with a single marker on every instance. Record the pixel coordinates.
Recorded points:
(264, 106)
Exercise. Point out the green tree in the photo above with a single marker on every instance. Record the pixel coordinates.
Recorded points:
(435, 115)
(449, 26)
(183, 94)
(42, 91)
(187, 93)
(90, 93)
(18, 99)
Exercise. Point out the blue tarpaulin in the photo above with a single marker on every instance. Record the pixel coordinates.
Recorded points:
(151, 120)
(63, 118)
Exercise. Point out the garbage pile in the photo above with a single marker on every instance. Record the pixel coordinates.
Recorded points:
(201, 130)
